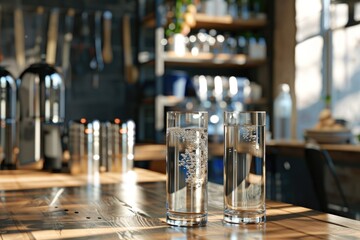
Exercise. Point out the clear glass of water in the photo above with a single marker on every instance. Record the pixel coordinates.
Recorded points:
(244, 167)
(186, 168)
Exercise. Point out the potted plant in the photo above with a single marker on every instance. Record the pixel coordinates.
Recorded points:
(180, 26)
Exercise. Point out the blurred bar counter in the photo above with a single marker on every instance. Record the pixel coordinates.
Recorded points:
(285, 166)
(341, 153)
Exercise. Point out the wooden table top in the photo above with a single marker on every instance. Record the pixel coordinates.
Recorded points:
(39, 205)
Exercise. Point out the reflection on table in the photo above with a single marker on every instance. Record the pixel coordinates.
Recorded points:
(39, 205)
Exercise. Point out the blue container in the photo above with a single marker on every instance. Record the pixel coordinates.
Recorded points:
(175, 84)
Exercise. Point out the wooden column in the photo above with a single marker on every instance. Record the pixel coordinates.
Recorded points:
(284, 50)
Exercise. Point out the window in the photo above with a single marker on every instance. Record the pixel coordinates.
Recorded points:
(322, 30)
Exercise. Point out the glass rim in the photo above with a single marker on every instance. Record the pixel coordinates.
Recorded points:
(238, 112)
(187, 112)
(245, 118)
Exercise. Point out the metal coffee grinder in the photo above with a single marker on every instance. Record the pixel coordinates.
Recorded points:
(42, 110)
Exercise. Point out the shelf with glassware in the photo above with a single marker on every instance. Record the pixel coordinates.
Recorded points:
(221, 60)
(211, 57)
(213, 43)
(226, 22)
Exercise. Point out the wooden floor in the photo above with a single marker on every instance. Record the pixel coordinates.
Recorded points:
(38, 205)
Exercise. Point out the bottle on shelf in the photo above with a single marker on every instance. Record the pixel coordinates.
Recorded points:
(244, 9)
(257, 47)
(282, 113)
(233, 9)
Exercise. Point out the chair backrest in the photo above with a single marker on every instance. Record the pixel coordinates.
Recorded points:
(318, 160)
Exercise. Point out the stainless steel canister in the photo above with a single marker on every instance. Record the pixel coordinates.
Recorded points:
(42, 110)
(101, 146)
(78, 146)
(8, 136)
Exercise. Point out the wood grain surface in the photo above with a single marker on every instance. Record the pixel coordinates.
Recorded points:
(39, 205)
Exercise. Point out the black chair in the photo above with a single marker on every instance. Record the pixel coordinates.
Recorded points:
(319, 162)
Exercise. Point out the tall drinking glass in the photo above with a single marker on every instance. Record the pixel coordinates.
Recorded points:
(244, 167)
(186, 168)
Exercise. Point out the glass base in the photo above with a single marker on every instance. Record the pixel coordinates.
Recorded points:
(245, 218)
(186, 220)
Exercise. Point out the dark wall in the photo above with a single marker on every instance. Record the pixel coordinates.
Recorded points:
(113, 97)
